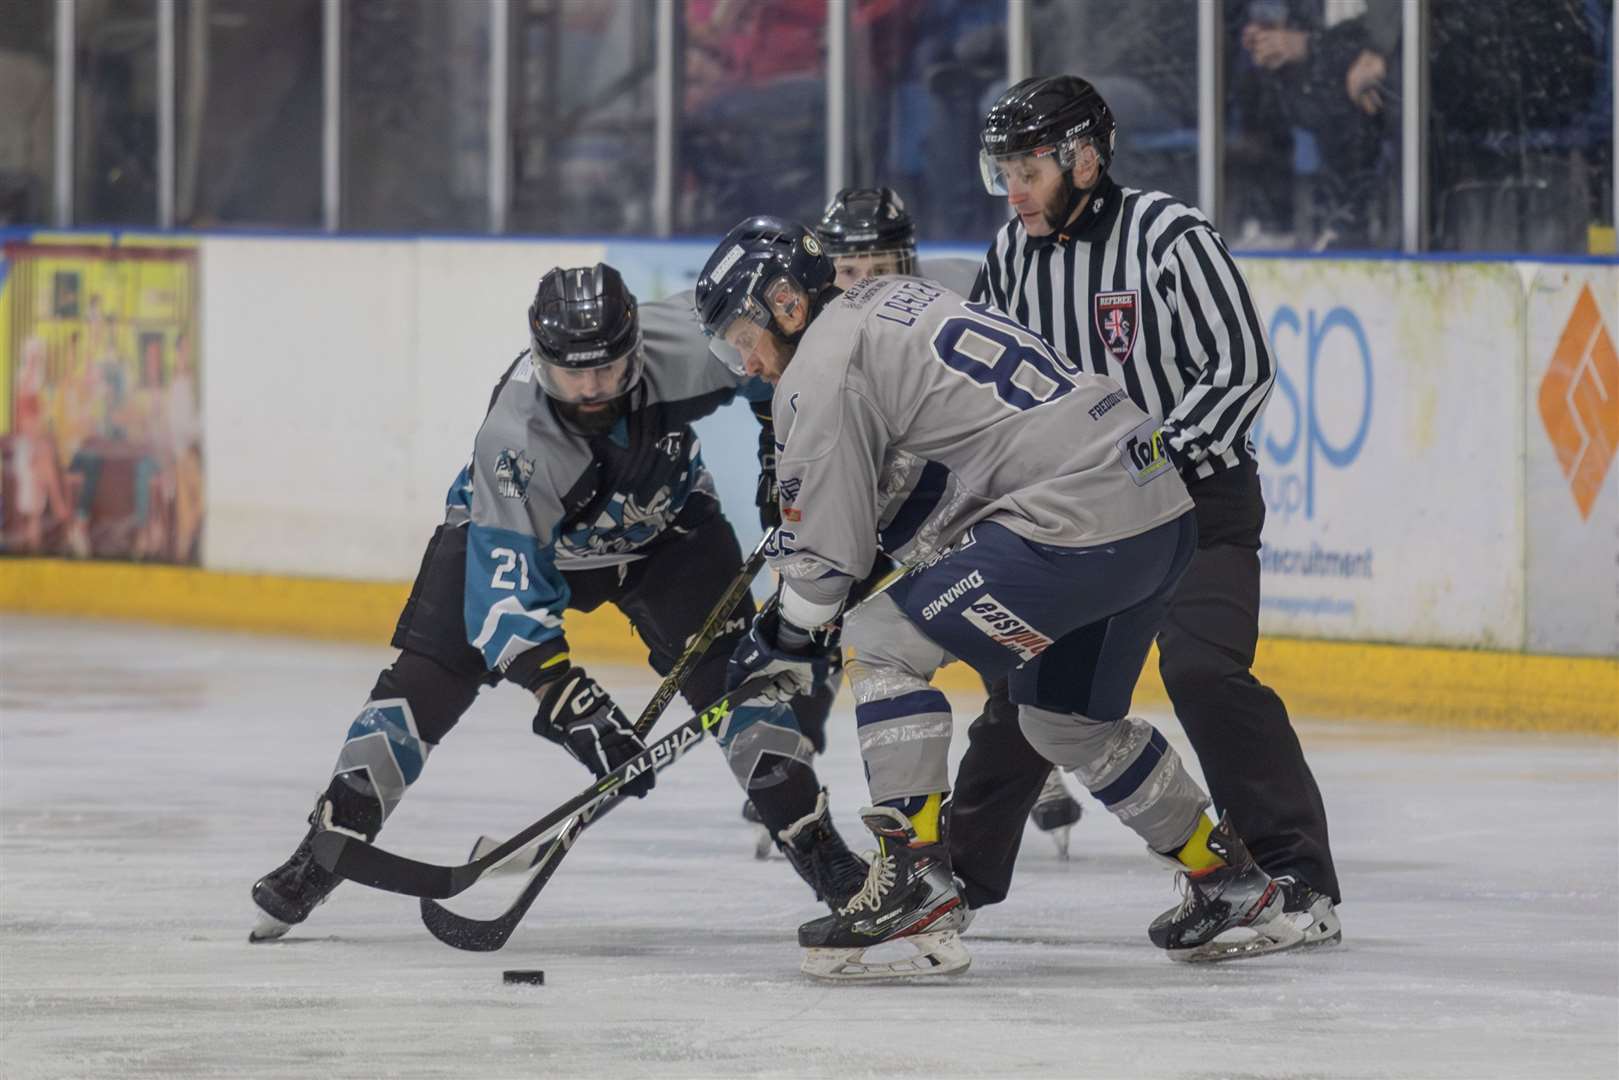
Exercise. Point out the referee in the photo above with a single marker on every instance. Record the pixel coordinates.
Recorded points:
(1138, 286)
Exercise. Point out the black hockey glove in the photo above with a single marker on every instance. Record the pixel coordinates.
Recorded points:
(577, 713)
(800, 659)
(766, 496)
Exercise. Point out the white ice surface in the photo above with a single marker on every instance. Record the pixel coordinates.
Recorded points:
(148, 776)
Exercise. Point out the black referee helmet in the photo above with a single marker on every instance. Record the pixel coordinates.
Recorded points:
(1045, 115)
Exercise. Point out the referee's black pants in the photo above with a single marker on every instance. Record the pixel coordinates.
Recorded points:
(1238, 726)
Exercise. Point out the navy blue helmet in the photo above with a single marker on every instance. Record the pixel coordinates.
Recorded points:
(754, 256)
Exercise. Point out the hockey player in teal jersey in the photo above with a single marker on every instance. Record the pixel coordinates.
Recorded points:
(586, 486)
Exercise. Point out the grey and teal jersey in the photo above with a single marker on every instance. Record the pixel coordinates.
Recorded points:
(996, 425)
(539, 498)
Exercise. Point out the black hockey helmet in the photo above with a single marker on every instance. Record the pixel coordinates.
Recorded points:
(747, 266)
(585, 337)
(1041, 116)
(869, 221)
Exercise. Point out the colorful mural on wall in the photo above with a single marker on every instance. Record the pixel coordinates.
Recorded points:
(101, 450)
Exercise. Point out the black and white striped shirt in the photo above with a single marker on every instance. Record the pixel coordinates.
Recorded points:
(1141, 288)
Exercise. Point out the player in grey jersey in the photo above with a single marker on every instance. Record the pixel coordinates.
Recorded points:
(867, 232)
(1069, 532)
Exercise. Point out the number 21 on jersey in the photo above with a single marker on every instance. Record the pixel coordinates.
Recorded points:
(510, 560)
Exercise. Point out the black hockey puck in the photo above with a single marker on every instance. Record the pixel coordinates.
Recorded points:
(531, 978)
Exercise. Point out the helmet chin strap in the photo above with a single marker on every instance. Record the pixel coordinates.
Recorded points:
(1076, 196)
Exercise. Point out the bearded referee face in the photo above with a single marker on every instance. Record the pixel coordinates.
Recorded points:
(1038, 191)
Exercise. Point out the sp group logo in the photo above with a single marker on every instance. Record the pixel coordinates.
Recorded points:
(1318, 417)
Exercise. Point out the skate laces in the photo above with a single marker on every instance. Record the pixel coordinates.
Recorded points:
(1191, 899)
(879, 879)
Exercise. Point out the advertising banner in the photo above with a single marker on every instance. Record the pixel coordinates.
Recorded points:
(1571, 503)
(100, 432)
(1390, 451)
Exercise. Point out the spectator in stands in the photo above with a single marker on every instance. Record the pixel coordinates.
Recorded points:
(1329, 81)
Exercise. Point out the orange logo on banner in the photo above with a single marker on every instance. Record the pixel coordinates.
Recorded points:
(1579, 401)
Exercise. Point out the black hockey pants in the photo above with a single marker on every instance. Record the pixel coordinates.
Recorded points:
(1237, 726)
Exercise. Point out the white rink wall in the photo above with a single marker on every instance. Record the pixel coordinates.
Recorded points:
(1417, 460)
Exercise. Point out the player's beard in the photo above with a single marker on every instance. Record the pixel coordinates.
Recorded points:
(595, 419)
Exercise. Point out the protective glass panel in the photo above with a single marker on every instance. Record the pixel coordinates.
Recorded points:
(248, 113)
(922, 75)
(752, 130)
(115, 90)
(416, 116)
(1312, 153)
(27, 110)
(582, 115)
(1141, 55)
(1520, 124)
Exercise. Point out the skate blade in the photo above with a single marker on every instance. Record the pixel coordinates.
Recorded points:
(763, 844)
(1059, 836)
(935, 954)
(268, 928)
(1274, 935)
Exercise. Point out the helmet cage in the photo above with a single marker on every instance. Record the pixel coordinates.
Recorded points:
(904, 257)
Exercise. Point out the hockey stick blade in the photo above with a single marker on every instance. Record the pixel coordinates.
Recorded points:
(487, 935)
(354, 859)
(696, 647)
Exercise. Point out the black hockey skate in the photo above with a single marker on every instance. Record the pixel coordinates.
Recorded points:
(1230, 911)
(286, 895)
(909, 896)
(1312, 912)
(1056, 812)
(816, 850)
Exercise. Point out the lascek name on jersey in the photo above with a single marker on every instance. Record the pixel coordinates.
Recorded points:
(907, 303)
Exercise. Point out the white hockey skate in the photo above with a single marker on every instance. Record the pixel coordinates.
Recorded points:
(1313, 913)
(909, 906)
(1056, 812)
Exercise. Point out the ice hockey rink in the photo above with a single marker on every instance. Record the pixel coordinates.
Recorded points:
(147, 776)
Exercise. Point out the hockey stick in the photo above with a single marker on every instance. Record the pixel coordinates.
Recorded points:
(486, 935)
(696, 646)
(348, 856)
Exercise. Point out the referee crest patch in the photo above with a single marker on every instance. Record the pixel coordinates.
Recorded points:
(1117, 317)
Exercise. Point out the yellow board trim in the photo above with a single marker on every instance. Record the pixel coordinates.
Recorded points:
(1457, 688)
